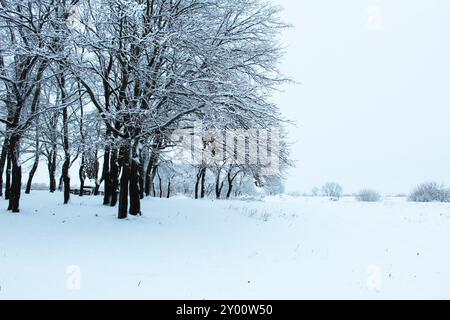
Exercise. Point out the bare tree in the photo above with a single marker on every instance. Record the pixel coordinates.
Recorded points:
(332, 189)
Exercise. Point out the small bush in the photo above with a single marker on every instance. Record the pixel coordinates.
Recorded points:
(37, 186)
(332, 190)
(430, 192)
(368, 195)
(315, 192)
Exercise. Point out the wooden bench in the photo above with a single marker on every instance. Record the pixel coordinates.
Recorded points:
(87, 191)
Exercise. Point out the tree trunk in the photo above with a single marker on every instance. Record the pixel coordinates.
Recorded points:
(200, 183)
(61, 183)
(197, 183)
(148, 181)
(98, 183)
(135, 199)
(66, 165)
(52, 170)
(16, 186)
(114, 175)
(150, 173)
(230, 185)
(124, 182)
(82, 175)
(152, 166)
(160, 186)
(106, 176)
(66, 179)
(168, 188)
(16, 176)
(31, 175)
(8, 176)
(219, 185)
(202, 187)
(35, 164)
(82, 170)
(3, 157)
(141, 180)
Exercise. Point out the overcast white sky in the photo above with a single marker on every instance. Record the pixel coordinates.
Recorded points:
(373, 106)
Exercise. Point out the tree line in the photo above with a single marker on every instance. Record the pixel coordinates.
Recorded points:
(105, 85)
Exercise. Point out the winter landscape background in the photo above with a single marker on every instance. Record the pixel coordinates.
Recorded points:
(347, 100)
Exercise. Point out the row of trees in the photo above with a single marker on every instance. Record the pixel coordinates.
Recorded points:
(425, 192)
(106, 85)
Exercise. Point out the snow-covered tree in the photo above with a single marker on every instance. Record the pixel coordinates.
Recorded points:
(119, 77)
(332, 189)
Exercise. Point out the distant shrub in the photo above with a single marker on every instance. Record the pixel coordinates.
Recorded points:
(294, 194)
(401, 195)
(315, 192)
(368, 195)
(430, 192)
(38, 186)
(333, 190)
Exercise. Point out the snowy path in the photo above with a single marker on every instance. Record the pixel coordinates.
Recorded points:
(186, 249)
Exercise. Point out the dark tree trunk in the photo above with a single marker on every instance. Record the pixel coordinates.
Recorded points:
(148, 181)
(200, 183)
(61, 183)
(8, 177)
(52, 170)
(16, 186)
(66, 179)
(141, 180)
(124, 182)
(152, 166)
(3, 157)
(114, 175)
(153, 175)
(219, 186)
(197, 184)
(35, 164)
(31, 175)
(230, 180)
(202, 187)
(169, 185)
(97, 181)
(160, 186)
(66, 164)
(16, 176)
(150, 173)
(82, 170)
(82, 175)
(106, 176)
(135, 199)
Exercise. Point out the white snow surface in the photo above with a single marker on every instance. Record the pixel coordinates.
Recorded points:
(278, 248)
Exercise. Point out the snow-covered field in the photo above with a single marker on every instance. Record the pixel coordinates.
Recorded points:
(279, 248)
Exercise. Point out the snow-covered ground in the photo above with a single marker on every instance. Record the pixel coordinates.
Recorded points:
(279, 248)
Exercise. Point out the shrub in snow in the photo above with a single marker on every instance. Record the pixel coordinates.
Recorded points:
(430, 192)
(332, 190)
(368, 195)
(39, 186)
(295, 194)
(315, 192)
